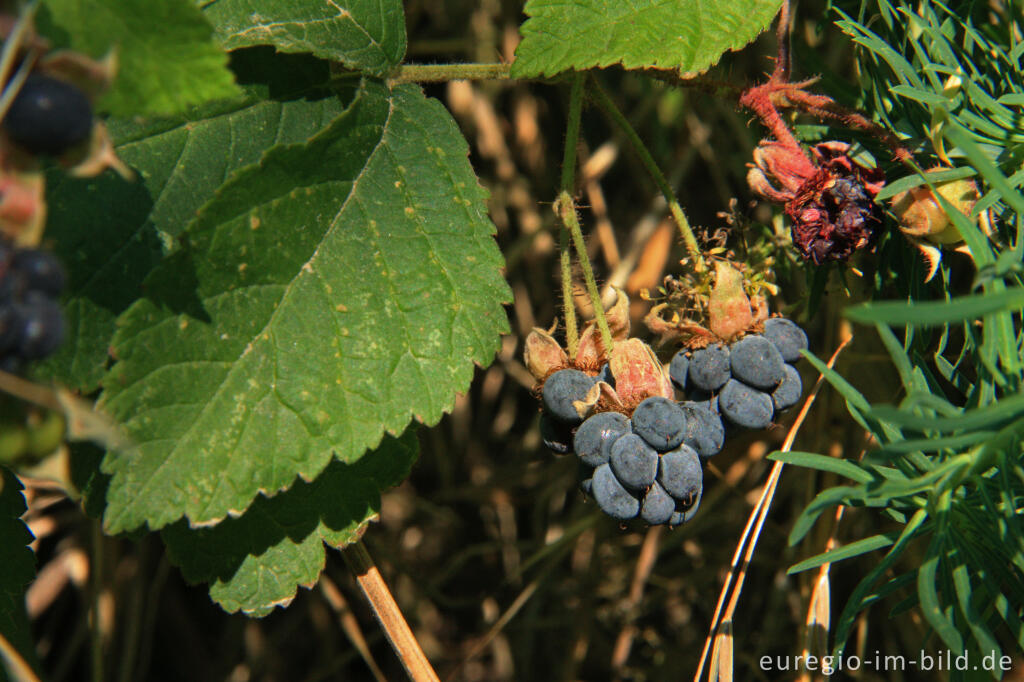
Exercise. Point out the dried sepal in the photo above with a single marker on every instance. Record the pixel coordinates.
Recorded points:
(22, 206)
(92, 76)
(728, 306)
(921, 214)
(591, 352)
(98, 156)
(638, 373)
(543, 354)
(600, 397)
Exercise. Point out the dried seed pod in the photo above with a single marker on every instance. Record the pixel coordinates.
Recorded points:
(921, 215)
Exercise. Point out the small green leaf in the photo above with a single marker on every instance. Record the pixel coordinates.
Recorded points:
(822, 501)
(166, 52)
(862, 546)
(813, 460)
(110, 233)
(933, 313)
(17, 569)
(893, 188)
(914, 527)
(257, 561)
(366, 35)
(674, 34)
(931, 605)
(328, 295)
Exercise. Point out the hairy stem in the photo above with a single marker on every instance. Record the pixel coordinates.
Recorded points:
(782, 64)
(566, 209)
(434, 73)
(572, 136)
(390, 616)
(612, 111)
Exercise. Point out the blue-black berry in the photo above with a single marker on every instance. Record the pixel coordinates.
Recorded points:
(48, 116)
(562, 389)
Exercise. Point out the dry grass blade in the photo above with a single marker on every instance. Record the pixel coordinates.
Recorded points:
(16, 666)
(499, 625)
(349, 624)
(644, 566)
(721, 625)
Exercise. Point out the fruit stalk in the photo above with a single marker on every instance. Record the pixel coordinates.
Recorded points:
(612, 111)
(572, 135)
(566, 209)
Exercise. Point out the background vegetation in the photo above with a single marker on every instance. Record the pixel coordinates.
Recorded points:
(503, 570)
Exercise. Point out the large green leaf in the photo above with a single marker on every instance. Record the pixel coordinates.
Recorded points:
(257, 561)
(368, 35)
(330, 294)
(168, 57)
(675, 34)
(17, 569)
(110, 232)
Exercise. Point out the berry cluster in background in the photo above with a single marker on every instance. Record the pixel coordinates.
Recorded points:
(647, 462)
(31, 323)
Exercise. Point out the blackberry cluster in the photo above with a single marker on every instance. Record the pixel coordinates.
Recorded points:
(31, 322)
(650, 465)
(645, 467)
(749, 381)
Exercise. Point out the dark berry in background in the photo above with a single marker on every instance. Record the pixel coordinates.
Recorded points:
(48, 116)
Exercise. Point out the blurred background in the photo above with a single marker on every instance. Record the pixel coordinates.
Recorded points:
(503, 569)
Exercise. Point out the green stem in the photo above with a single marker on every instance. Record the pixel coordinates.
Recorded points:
(608, 106)
(435, 73)
(567, 211)
(572, 136)
(572, 333)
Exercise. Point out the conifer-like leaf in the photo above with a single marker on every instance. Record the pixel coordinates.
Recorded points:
(257, 561)
(366, 35)
(329, 294)
(167, 54)
(678, 34)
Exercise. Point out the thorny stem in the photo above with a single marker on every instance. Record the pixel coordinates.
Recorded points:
(572, 136)
(390, 616)
(782, 63)
(778, 92)
(435, 73)
(608, 106)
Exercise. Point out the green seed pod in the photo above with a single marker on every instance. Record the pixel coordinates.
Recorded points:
(46, 434)
(13, 442)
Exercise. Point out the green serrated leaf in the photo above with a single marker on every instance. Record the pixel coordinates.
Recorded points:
(110, 233)
(329, 294)
(168, 58)
(367, 35)
(673, 34)
(17, 569)
(258, 561)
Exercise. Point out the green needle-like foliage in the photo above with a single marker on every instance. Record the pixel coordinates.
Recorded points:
(949, 469)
